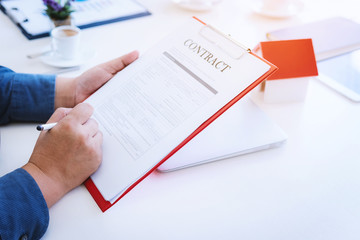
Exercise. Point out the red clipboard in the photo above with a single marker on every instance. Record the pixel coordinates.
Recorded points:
(105, 205)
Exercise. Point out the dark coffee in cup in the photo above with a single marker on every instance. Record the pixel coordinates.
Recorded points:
(66, 41)
(69, 32)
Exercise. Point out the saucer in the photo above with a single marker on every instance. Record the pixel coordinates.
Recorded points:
(52, 59)
(284, 11)
(196, 5)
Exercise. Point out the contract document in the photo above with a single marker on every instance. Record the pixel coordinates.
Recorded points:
(155, 105)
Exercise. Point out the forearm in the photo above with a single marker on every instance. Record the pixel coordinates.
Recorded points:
(64, 92)
(51, 190)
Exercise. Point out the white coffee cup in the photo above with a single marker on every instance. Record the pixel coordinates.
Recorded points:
(278, 8)
(65, 41)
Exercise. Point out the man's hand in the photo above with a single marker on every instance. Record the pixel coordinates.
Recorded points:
(71, 91)
(65, 156)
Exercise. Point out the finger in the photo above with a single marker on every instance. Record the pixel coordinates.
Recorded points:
(81, 112)
(98, 140)
(118, 64)
(59, 114)
(91, 127)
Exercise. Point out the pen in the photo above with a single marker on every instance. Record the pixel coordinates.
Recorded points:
(44, 127)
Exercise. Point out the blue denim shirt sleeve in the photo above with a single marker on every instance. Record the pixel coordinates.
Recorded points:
(23, 209)
(25, 97)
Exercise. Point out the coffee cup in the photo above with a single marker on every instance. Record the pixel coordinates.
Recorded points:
(65, 41)
(278, 8)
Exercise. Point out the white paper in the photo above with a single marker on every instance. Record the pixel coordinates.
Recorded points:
(243, 128)
(150, 107)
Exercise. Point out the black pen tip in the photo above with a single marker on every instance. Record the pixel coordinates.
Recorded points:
(39, 128)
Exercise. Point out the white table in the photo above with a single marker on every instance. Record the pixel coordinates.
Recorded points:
(307, 189)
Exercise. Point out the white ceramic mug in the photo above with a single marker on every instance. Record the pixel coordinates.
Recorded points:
(65, 41)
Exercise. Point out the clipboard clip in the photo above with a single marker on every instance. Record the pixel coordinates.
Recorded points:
(17, 15)
(227, 44)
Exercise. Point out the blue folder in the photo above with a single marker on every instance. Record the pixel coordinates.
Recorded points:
(31, 19)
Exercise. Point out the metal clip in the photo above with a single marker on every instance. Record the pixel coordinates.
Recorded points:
(226, 47)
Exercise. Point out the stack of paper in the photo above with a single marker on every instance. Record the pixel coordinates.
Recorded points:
(331, 37)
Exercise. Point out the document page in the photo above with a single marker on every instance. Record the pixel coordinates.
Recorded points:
(155, 103)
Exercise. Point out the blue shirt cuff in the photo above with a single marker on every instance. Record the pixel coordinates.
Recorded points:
(33, 97)
(23, 209)
(26, 97)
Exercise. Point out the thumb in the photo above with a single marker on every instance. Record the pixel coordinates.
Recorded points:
(119, 63)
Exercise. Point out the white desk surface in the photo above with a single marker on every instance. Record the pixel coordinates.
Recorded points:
(307, 189)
